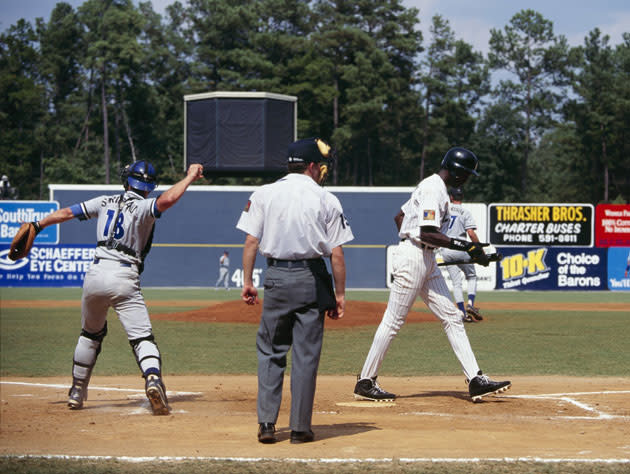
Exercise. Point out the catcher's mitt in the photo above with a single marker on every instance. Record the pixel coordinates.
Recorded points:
(23, 240)
(473, 313)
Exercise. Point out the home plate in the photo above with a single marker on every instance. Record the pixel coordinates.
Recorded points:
(366, 404)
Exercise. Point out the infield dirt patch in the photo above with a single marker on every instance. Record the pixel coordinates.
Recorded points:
(215, 416)
(358, 313)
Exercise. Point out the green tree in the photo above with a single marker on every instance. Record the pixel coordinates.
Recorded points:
(22, 107)
(538, 61)
(603, 99)
(114, 55)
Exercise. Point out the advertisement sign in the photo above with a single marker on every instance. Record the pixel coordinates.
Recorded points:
(619, 269)
(14, 213)
(547, 268)
(612, 225)
(541, 224)
(47, 265)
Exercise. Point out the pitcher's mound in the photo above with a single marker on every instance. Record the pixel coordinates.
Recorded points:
(358, 313)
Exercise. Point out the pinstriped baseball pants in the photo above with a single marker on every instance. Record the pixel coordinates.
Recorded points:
(416, 273)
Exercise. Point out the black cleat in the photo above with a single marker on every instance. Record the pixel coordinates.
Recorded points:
(368, 389)
(481, 385)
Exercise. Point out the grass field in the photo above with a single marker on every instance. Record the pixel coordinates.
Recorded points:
(40, 342)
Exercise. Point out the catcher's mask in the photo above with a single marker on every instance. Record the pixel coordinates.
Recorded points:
(139, 175)
(313, 150)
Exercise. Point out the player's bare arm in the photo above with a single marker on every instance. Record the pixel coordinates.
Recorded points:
(249, 292)
(172, 195)
(398, 219)
(473, 235)
(57, 217)
(338, 265)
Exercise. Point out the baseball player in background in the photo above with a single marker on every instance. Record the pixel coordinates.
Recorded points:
(124, 232)
(461, 225)
(422, 224)
(224, 270)
(295, 223)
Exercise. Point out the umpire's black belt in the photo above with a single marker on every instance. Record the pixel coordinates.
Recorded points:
(275, 262)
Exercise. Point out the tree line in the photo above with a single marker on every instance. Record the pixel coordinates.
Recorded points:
(91, 89)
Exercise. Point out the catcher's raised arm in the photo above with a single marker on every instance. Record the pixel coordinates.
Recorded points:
(23, 241)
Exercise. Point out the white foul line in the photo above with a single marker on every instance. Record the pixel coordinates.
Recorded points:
(92, 387)
(144, 459)
(566, 397)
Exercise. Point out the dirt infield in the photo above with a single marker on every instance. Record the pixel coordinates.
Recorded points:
(215, 416)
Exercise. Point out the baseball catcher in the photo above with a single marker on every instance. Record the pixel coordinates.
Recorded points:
(124, 226)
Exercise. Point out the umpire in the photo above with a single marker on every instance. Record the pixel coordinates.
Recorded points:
(294, 223)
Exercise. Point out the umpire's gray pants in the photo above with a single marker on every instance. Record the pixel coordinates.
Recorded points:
(290, 317)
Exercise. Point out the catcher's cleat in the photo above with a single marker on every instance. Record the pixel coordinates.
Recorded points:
(77, 394)
(368, 389)
(474, 313)
(481, 385)
(156, 393)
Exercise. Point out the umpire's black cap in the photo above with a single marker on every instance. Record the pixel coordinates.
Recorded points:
(308, 150)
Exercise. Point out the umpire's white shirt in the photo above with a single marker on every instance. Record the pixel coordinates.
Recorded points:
(428, 205)
(295, 218)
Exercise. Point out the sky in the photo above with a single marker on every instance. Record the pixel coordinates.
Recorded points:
(470, 20)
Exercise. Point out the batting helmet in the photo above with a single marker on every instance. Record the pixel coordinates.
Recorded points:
(140, 175)
(456, 193)
(460, 160)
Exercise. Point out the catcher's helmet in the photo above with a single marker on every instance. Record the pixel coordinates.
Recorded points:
(140, 175)
(456, 193)
(459, 160)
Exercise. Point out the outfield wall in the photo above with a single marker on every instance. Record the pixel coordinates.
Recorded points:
(191, 236)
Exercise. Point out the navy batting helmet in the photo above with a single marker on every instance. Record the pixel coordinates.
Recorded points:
(140, 175)
(456, 193)
(460, 160)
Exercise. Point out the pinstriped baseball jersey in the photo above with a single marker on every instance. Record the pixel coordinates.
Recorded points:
(428, 205)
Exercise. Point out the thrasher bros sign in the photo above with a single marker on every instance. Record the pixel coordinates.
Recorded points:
(541, 224)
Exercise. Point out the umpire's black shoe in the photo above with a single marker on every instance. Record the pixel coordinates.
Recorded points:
(481, 385)
(302, 437)
(368, 389)
(267, 433)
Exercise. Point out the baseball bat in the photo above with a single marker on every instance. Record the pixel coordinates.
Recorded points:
(493, 257)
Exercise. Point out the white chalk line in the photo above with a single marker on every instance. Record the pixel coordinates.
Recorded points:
(95, 387)
(567, 397)
(143, 459)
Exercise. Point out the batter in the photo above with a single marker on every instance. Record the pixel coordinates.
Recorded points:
(124, 232)
(425, 217)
